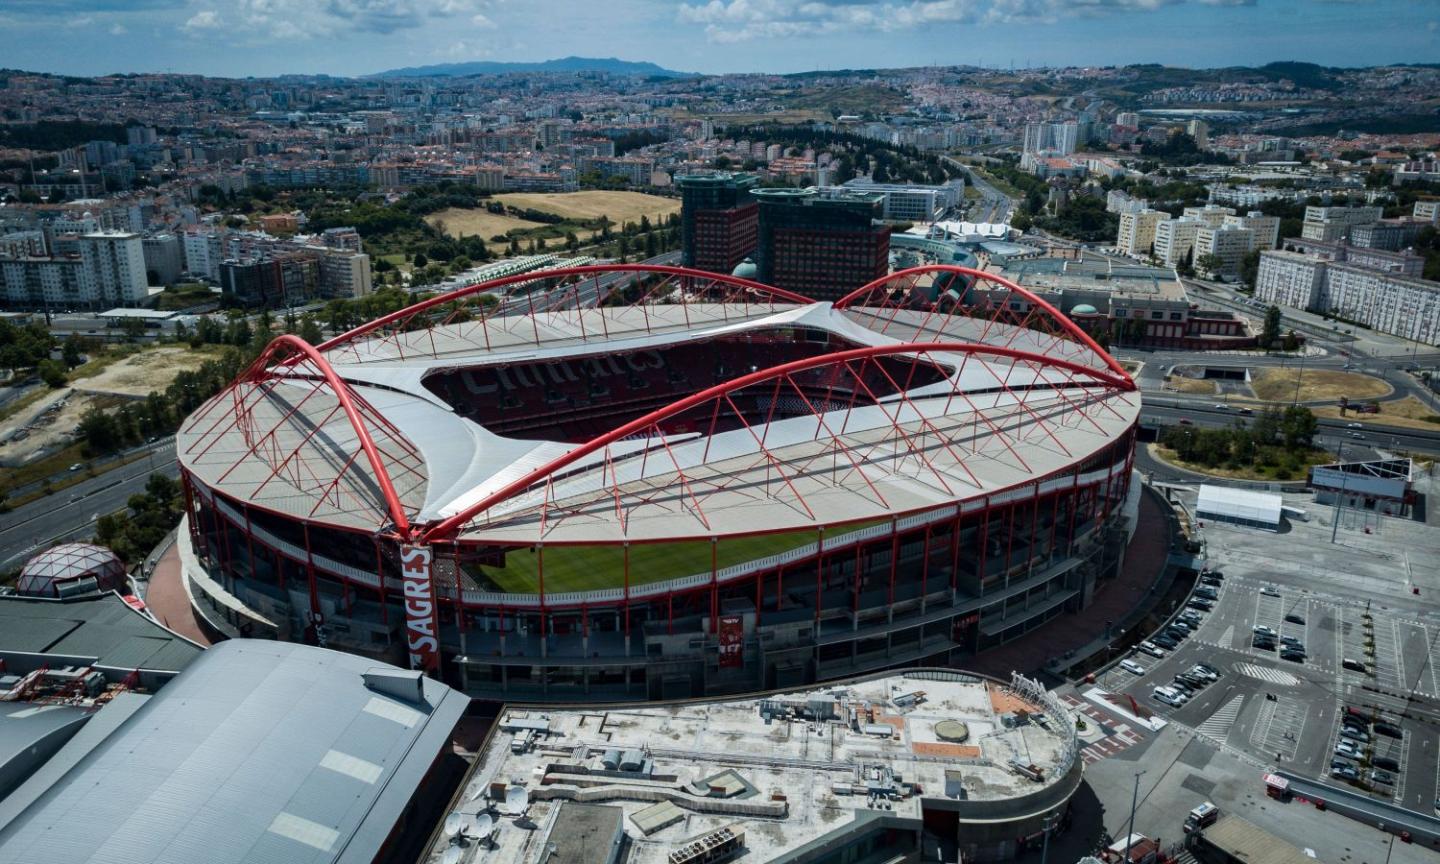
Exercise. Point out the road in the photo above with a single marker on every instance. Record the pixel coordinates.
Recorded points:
(994, 206)
(71, 513)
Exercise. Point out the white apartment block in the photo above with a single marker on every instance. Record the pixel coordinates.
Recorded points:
(1229, 244)
(1265, 228)
(1209, 214)
(42, 283)
(344, 273)
(1428, 210)
(203, 255)
(1333, 223)
(1391, 303)
(112, 271)
(1175, 238)
(1120, 201)
(1137, 231)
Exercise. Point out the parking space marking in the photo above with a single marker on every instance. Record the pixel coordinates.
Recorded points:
(1404, 760)
(1273, 676)
(1219, 724)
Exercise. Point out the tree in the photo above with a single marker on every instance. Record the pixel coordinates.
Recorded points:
(1270, 332)
(1298, 426)
(310, 330)
(73, 352)
(1209, 263)
(52, 373)
(1250, 267)
(420, 260)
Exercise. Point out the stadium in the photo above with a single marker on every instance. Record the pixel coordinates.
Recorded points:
(625, 482)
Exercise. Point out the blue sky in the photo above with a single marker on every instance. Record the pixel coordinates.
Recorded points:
(357, 37)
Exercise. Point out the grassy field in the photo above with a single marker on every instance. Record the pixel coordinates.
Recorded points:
(590, 568)
(1251, 472)
(1409, 412)
(479, 222)
(1182, 384)
(592, 204)
(1278, 385)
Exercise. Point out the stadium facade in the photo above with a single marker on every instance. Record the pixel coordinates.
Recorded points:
(639, 482)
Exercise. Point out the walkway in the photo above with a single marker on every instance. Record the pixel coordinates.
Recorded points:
(1114, 601)
(167, 600)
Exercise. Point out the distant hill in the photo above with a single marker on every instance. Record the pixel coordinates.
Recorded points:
(565, 64)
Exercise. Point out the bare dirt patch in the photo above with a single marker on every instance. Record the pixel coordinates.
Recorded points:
(141, 373)
(1278, 385)
(1182, 384)
(45, 426)
(478, 222)
(1409, 413)
(592, 204)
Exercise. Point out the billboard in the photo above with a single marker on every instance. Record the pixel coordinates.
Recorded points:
(421, 623)
(732, 641)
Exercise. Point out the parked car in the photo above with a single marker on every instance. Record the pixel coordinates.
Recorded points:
(1293, 656)
(1132, 667)
(1199, 603)
(1348, 748)
(1386, 763)
(1165, 642)
(1389, 730)
(1345, 772)
(1353, 665)
(1262, 630)
(1353, 713)
(1151, 648)
(1353, 734)
(1382, 777)
(1207, 593)
(1294, 619)
(1262, 643)
(1210, 670)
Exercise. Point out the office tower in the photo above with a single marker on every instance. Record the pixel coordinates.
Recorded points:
(718, 220)
(820, 246)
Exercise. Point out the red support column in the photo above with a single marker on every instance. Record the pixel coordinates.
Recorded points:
(984, 543)
(310, 576)
(626, 599)
(819, 570)
(380, 576)
(894, 557)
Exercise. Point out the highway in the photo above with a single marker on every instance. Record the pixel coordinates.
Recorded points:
(71, 513)
(993, 206)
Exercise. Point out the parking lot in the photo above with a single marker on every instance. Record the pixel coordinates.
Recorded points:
(1319, 606)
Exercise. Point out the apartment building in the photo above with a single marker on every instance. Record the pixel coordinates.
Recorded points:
(1389, 302)
(1175, 239)
(1334, 223)
(1137, 231)
(1208, 214)
(1227, 243)
(1266, 229)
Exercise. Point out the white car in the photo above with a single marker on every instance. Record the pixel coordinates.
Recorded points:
(1152, 649)
(1220, 406)
(1132, 667)
(1202, 672)
(1347, 748)
(1170, 696)
(1262, 630)
(1354, 425)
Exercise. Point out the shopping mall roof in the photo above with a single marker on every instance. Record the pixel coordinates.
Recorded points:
(97, 630)
(260, 751)
(51, 570)
(878, 753)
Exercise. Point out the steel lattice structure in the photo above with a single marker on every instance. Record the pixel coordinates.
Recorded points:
(549, 439)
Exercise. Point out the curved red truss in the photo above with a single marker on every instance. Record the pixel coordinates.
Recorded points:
(289, 350)
(1070, 327)
(589, 270)
(450, 526)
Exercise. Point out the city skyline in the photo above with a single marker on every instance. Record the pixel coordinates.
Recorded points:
(365, 37)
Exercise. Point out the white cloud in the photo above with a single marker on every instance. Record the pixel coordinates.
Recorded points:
(481, 20)
(118, 29)
(740, 20)
(205, 19)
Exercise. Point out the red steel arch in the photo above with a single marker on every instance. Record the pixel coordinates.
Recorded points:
(1068, 326)
(290, 351)
(409, 312)
(449, 527)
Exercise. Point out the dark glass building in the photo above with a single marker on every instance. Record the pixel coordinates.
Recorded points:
(821, 245)
(718, 220)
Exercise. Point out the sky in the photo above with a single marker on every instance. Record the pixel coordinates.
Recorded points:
(240, 38)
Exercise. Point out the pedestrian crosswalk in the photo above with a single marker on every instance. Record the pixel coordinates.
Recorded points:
(1225, 637)
(1218, 726)
(1272, 676)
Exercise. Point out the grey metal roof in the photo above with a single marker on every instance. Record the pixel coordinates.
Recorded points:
(103, 628)
(30, 733)
(259, 752)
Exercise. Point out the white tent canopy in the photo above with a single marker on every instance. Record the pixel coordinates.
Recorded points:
(1242, 506)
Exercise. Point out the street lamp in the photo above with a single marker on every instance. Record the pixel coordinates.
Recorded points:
(1130, 830)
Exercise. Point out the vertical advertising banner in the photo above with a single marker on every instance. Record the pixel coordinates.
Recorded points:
(421, 622)
(732, 641)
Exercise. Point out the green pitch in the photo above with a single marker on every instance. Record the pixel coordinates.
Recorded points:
(592, 568)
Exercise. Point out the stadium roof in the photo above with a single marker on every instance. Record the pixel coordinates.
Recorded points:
(260, 751)
(1011, 386)
(103, 629)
